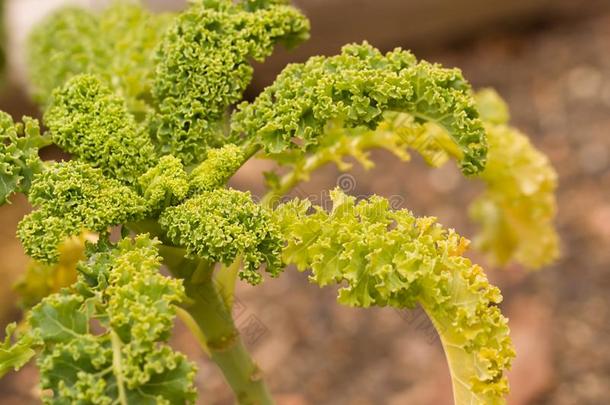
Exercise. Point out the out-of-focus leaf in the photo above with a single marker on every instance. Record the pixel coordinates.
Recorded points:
(41, 279)
(15, 355)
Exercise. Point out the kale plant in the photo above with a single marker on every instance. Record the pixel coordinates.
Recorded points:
(149, 108)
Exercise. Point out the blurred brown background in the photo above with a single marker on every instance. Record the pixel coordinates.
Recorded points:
(551, 61)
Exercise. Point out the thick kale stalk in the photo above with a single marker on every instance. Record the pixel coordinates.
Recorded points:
(211, 312)
(147, 106)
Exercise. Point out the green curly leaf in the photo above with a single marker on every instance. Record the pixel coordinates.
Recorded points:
(165, 184)
(356, 88)
(144, 103)
(72, 197)
(19, 160)
(222, 225)
(88, 120)
(203, 67)
(382, 257)
(215, 171)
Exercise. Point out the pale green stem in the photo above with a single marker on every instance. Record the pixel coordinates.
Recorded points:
(291, 179)
(462, 364)
(303, 170)
(117, 366)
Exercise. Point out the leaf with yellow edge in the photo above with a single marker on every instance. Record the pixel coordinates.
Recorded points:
(381, 257)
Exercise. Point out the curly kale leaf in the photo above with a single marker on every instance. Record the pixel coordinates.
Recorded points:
(222, 225)
(215, 171)
(19, 160)
(382, 257)
(356, 88)
(165, 184)
(203, 67)
(90, 121)
(104, 340)
(72, 197)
